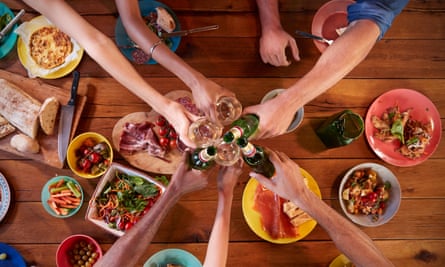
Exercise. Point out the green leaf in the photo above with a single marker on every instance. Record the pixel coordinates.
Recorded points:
(397, 130)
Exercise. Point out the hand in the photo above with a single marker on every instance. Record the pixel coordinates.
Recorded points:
(180, 119)
(274, 119)
(288, 181)
(186, 179)
(273, 46)
(207, 94)
(228, 176)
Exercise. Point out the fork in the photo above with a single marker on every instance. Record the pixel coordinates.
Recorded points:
(318, 38)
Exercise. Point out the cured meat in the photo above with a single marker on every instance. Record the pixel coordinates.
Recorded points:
(189, 105)
(140, 137)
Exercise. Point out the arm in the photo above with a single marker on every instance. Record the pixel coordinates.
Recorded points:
(143, 232)
(274, 40)
(337, 61)
(217, 249)
(289, 184)
(205, 91)
(107, 55)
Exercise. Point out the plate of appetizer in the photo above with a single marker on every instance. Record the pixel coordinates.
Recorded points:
(147, 140)
(10, 39)
(173, 257)
(5, 197)
(46, 61)
(159, 19)
(403, 127)
(261, 207)
(9, 256)
(369, 194)
(330, 21)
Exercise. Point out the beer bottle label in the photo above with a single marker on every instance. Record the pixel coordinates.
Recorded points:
(249, 150)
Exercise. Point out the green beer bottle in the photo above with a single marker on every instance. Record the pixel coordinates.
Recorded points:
(245, 126)
(203, 158)
(255, 157)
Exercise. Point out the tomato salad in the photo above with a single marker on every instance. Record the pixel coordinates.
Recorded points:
(126, 198)
(364, 194)
(93, 157)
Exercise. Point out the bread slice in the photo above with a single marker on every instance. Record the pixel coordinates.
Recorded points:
(165, 19)
(296, 215)
(47, 115)
(6, 129)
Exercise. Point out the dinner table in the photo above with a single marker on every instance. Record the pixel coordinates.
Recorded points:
(411, 55)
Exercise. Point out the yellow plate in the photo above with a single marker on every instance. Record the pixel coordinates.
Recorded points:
(340, 261)
(22, 50)
(253, 218)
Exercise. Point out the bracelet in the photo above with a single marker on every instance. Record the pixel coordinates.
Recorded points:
(153, 47)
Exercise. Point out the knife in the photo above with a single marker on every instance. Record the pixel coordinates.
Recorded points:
(10, 24)
(187, 32)
(66, 119)
(318, 38)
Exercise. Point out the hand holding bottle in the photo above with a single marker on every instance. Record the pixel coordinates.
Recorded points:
(288, 181)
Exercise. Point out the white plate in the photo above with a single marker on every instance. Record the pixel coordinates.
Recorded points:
(392, 205)
(5, 197)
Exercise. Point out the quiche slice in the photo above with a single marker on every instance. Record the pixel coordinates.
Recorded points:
(49, 47)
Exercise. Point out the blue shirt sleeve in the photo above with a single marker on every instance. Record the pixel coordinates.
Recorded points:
(381, 12)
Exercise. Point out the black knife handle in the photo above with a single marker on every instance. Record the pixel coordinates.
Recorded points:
(76, 77)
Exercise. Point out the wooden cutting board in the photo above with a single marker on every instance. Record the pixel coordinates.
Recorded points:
(141, 159)
(48, 143)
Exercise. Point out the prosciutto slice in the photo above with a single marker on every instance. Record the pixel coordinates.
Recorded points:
(140, 137)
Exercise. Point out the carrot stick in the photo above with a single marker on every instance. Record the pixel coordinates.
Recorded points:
(61, 195)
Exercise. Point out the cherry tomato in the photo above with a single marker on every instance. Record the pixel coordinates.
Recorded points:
(84, 164)
(161, 121)
(163, 141)
(163, 131)
(128, 226)
(173, 143)
(172, 134)
(95, 158)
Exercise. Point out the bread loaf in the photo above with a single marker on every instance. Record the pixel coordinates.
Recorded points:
(165, 20)
(19, 108)
(25, 144)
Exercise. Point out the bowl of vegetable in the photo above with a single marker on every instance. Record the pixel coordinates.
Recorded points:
(62, 196)
(369, 194)
(79, 249)
(122, 196)
(89, 155)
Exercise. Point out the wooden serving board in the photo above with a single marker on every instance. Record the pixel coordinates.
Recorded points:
(141, 159)
(48, 143)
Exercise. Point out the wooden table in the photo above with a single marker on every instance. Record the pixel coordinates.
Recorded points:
(412, 55)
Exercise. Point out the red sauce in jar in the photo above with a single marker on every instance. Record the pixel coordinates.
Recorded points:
(275, 222)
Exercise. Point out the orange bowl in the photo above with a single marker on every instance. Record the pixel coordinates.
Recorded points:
(77, 248)
(83, 145)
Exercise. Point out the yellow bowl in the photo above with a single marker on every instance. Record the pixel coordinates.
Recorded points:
(74, 155)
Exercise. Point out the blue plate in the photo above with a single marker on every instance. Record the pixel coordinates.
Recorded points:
(173, 256)
(10, 39)
(124, 42)
(5, 197)
(13, 257)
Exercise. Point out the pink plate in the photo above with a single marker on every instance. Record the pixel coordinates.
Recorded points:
(329, 17)
(422, 110)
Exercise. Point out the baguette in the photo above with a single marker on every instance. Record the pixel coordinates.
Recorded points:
(19, 108)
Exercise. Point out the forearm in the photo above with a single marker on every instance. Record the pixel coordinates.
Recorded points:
(99, 47)
(269, 14)
(142, 233)
(217, 248)
(141, 34)
(349, 239)
(334, 63)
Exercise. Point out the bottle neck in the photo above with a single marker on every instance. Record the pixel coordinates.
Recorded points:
(249, 150)
(206, 155)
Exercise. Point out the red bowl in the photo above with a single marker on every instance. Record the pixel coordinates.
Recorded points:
(66, 249)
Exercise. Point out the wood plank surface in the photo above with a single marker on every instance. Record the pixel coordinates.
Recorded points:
(411, 55)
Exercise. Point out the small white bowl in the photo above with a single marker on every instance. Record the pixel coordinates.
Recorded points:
(392, 204)
(298, 118)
